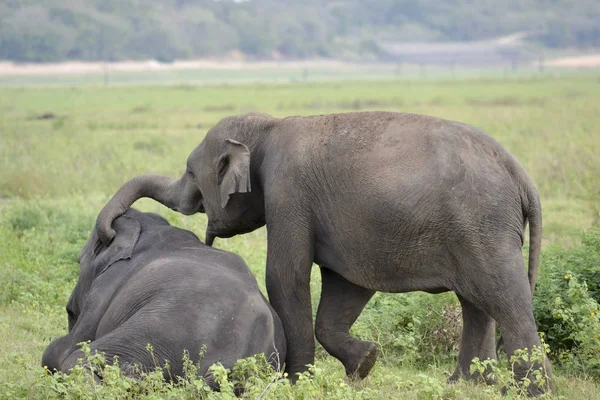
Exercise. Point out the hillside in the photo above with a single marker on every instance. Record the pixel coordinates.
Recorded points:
(55, 30)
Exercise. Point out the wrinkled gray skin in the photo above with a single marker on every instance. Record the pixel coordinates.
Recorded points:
(381, 202)
(160, 285)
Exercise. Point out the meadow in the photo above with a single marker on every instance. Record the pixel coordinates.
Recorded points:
(65, 150)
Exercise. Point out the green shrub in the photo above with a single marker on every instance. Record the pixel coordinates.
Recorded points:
(503, 373)
(566, 304)
(416, 328)
(252, 377)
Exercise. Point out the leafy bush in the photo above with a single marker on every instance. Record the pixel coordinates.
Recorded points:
(504, 373)
(416, 328)
(583, 261)
(252, 377)
(566, 304)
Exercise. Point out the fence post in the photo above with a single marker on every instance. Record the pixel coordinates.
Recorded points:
(106, 77)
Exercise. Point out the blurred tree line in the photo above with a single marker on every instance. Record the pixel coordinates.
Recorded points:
(54, 30)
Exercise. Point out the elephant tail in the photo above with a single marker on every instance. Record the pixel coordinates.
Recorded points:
(533, 213)
(532, 210)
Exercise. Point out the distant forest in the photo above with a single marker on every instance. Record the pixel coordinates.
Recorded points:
(165, 30)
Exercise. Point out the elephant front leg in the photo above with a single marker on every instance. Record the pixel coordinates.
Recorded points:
(341, 304)
(289, 261)
(53, 356)
(62, 355)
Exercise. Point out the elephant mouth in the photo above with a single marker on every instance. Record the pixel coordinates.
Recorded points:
(211, 234)
(213, 230)
(217, 228)
(198, 208)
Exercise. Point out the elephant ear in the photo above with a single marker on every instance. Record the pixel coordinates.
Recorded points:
(233, 170)
(121, 248)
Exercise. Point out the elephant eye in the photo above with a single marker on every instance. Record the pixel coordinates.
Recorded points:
(71, 314)
(190, 173)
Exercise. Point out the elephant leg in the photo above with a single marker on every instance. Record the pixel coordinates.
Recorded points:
(289, 262)
(62, 355)
(129, 347)
(506, 297)
(78, 356)
(477, 340)
(341, 304)
(519, 332)
(54, 353)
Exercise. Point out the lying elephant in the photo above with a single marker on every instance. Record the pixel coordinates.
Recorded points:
(157, 284)
(380, 201)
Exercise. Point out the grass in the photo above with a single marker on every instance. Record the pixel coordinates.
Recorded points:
(56, 172)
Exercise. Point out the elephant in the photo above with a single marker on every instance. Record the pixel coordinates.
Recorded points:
(159, 285)
(380, 201)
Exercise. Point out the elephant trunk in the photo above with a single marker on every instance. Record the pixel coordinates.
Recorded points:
(160, 188)
(209, 238)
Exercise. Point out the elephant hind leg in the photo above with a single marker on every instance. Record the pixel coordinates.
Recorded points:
(505, 295)
(340, 305)
(477, 340)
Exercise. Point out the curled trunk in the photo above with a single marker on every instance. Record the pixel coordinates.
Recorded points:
(160, 188)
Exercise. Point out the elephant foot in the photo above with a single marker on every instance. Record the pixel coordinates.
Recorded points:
(454, 377)
(532, 390)
(364, 361)
(475, 378)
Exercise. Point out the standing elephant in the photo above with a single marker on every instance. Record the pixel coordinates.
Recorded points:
(157, 284)
(381, 201)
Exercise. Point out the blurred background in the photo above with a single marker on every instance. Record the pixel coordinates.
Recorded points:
(262, 40)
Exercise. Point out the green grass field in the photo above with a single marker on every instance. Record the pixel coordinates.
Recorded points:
(57, 172)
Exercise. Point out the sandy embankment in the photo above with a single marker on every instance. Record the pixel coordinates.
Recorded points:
(75, 67)
(589, 61)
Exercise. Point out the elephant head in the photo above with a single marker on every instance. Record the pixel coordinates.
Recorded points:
(220, 179)
(86, 304)
(95, 258)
